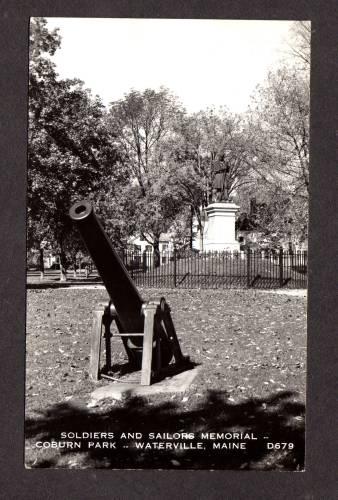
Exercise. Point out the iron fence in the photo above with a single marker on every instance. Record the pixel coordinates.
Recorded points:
(189, 269)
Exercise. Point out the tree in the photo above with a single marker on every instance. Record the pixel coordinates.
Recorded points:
(144, 126)
(277, 217)
(41, 71)
(278, 140)
(300, 43)
(71, 154)
(278, 132)
(209, 141)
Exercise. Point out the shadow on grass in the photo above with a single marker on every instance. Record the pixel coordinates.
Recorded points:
(278, 417)
(56, 283)
(120, 370)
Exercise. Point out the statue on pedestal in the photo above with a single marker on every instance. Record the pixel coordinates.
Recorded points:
(219, 186)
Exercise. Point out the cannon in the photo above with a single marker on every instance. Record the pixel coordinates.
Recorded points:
(146, 328)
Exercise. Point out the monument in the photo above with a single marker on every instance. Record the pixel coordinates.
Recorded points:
(219, 230)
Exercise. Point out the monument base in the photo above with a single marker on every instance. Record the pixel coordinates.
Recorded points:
(220, 229)
(221, 247)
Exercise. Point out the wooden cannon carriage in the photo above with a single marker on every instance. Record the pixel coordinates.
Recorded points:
(146, 328)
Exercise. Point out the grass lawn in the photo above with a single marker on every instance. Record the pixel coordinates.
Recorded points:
(251, 348)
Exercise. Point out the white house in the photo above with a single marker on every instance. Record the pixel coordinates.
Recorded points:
(166, 247)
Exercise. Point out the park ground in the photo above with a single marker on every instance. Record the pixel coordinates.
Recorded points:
(250, 346)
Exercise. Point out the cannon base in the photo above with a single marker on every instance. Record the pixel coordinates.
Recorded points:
(155, 352)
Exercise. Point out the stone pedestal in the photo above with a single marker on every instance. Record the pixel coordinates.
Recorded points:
(219, 233)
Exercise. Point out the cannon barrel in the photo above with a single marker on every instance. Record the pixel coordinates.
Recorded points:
(119, 285)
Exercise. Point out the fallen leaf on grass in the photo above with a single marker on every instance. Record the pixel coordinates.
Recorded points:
(175, 462)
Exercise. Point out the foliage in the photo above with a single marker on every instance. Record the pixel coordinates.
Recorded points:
(279, 127)
(300, 43)
(207, 142)
(211, 141)
(278, 143)
(149, 167)
(283, 219)
(70, 151)
(144, 126)
(278, 131)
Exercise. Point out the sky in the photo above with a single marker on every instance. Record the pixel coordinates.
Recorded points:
(203, 62)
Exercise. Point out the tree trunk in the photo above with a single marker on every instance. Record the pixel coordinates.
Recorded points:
(202, 238)
(191, 239)
(157, 256)
(63, 271)
(74, 266)
(201, 230)
(41, 264)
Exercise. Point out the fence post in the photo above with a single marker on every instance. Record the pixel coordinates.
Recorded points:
(132, 259)
(281, 280)
(248, 268)
(175, 269)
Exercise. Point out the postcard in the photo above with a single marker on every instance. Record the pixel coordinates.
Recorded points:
(167, 238)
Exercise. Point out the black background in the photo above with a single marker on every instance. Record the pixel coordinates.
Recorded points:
(317, 482)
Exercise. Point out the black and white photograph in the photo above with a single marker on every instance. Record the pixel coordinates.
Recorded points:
(167, 243)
